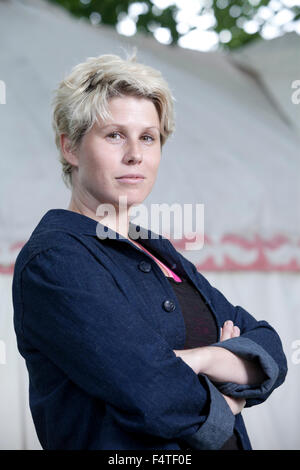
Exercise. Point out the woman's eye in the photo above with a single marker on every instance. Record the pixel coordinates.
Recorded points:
(113, 134)
(148, 137)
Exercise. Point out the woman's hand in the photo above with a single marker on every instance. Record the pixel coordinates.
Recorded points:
(197, 358)
(221, 365)
(229, 330)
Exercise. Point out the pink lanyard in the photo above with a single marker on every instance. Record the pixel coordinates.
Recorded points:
(172, 274)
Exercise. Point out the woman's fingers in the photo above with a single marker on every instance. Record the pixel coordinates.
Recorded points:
(229, 330)
(236, 332)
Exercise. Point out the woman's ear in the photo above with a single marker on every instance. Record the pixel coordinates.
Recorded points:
(69, 155)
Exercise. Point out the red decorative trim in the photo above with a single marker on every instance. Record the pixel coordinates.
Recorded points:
(230, 252)
(7, 269)
(235, 253)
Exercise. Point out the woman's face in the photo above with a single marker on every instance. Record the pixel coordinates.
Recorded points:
(127, 144)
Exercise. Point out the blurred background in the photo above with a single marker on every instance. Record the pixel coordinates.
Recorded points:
(234, 70)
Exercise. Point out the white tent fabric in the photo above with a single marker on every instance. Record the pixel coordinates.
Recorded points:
(279, 79)
(235, 150)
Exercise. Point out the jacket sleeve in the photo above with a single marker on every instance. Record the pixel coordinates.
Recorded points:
(258, 341)
(80, 319)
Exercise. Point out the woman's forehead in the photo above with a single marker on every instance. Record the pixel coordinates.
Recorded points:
(131, 102)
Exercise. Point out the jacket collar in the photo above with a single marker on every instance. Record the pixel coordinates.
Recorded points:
(69, 221)
(73, 222)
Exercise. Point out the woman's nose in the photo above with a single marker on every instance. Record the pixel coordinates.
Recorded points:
(133, 151)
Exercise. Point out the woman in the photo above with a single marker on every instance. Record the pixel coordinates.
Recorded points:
(121, 335)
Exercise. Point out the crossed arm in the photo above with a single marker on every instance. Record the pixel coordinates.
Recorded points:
(221, 365)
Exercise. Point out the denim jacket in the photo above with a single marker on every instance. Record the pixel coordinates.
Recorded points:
(97, 322)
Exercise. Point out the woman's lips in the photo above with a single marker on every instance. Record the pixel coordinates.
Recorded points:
(130, 180)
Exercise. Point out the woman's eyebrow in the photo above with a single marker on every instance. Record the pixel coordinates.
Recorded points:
(122, 126)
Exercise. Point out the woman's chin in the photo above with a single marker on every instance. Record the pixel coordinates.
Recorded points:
(131, 199)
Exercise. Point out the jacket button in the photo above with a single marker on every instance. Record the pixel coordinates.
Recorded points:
(169, 306)
(145, 267)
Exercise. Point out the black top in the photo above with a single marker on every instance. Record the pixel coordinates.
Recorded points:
(201, 330)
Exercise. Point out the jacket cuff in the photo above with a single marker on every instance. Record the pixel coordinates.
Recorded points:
(248, 349)
(218, 426)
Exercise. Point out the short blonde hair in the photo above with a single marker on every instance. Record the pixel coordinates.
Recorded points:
(84, 94)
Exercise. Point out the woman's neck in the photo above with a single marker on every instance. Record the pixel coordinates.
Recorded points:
(119, 222)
